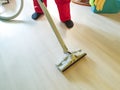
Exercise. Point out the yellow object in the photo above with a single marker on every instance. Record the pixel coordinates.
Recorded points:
(99, 4)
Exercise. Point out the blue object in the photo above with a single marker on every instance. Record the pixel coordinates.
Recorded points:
(110, 6)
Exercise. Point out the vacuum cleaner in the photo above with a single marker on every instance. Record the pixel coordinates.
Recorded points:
(70, 57)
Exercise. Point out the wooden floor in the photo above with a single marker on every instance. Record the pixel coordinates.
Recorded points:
(29, 51)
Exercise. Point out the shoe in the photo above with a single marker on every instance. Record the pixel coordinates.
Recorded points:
(36, 15)
(69, 23)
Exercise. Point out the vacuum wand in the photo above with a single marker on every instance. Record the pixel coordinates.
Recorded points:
(71, 57)
(42, 5)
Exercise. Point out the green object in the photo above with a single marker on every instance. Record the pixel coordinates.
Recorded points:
(91, 2)
(110, 6)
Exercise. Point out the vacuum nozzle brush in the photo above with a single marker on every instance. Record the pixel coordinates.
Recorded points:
(70, 59)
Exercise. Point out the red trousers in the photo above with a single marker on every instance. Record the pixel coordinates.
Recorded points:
(62, 5)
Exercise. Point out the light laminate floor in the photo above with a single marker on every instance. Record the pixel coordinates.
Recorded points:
(29, 51)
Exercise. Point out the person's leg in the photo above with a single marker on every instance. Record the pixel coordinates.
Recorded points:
(64, 12)
(38, 11)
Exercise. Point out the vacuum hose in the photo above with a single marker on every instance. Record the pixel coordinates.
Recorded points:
(14, 15)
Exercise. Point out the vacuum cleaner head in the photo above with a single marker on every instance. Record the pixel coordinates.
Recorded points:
(70, 59)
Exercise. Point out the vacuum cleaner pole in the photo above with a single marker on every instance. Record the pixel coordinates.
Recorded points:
(71, 57)
(42, 5)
